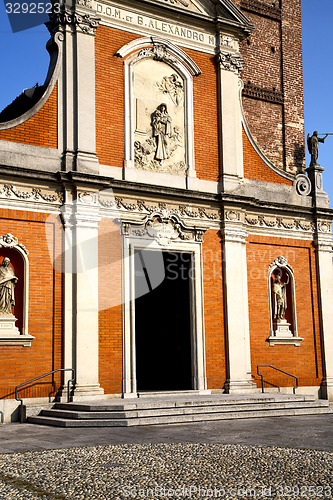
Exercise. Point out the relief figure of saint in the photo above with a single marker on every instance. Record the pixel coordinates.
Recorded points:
(7, 285)
(280, 296)
(161, 124)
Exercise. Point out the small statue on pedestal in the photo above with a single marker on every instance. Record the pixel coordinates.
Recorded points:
(7, 284)
(313, 147)
(280, 297)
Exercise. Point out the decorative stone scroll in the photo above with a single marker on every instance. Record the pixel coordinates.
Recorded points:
(282, 304)
(86, 23)
(158, 52)
(34, 194)
(230, 62)
(164, 229)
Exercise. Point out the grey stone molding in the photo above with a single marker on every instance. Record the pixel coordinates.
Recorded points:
(144, 206)
(85, 22)
(262, 94)
(262, 9)
(279, 222)
(230, 62)
(34, 194)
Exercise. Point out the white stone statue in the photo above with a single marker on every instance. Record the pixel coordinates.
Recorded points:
(280, 297)
(7, 284)
(161, 123)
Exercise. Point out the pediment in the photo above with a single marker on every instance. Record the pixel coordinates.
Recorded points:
(220, 10)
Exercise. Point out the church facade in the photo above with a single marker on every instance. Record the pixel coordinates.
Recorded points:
(162, 230)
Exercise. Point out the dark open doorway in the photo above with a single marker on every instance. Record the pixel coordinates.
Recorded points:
(163, 322)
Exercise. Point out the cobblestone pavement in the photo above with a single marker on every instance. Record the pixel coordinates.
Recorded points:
(168, 470)
(284, 458)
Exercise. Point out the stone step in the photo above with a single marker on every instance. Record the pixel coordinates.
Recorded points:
(136, 404)
(179, 410)
(179, 419)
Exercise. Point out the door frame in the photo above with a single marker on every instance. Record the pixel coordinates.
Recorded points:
(130, 244)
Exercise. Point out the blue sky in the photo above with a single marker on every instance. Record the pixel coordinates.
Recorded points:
(24, 62)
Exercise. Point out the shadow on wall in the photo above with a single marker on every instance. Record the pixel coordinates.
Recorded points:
(299, 157)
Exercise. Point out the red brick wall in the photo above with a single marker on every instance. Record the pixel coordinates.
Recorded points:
(273, 56)
(110, 95)
(256, 169)
(110, 304)
(213, 310)
(293, 83)
(205, 101)
(19, 364)
(305, 361)
(41, 129)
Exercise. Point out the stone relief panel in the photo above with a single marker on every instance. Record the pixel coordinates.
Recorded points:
(159, 118)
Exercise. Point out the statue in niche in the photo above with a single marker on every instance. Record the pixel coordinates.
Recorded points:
(280, 296)
(313, 146)
(161, 124)
(7, 284)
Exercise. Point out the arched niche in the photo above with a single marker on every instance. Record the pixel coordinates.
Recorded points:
(282, 304)
(16, 331)
(158, 84)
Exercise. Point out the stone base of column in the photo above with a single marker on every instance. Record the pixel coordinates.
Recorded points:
(129, 395)
(326, 389)
(87, 392)
(240, 387)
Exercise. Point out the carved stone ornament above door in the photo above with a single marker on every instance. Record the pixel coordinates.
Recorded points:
(164, 229)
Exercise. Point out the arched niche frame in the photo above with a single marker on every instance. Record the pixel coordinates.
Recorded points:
(284, 331)
(18, 255)
(161, 50)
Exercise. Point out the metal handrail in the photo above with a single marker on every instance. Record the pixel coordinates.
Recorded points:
(278, 369)
(45, 375)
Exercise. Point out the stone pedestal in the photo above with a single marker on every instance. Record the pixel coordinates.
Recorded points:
(7, 325)
(10, 334)
(282, 328)
(320, 198)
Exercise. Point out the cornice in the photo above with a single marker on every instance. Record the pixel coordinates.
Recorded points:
(262, 94)
(122, 188)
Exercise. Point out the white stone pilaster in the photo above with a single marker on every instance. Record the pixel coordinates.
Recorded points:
(236, 308)
(86, 219)
(77, 26)
(325, 278)
(86, 127)
(68, 306)
(231, 142)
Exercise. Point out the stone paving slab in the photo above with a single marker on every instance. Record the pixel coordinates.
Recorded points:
(313, 431)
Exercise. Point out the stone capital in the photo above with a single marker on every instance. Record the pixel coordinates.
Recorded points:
(84, 22)
(230, 62)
